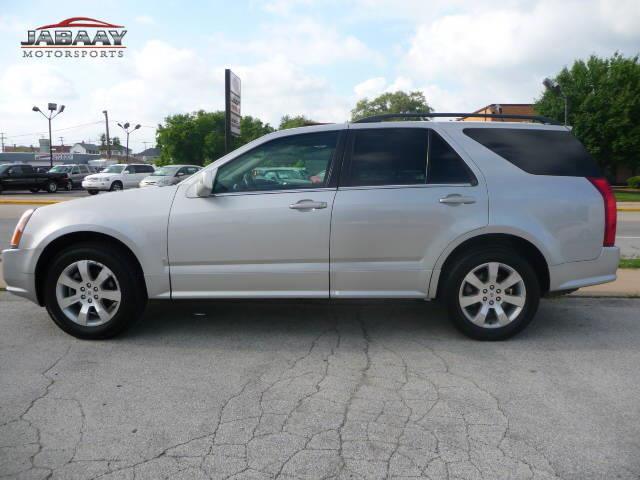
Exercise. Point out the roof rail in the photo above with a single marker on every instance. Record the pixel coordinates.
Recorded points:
(426, 115)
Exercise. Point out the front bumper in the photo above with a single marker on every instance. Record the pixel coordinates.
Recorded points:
(96, 185)
(16, 271)
(572, 275)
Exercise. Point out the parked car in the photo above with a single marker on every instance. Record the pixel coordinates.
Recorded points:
(117, 177)
(75, 173)
(169, 175)
(486, 217)
(24, 177)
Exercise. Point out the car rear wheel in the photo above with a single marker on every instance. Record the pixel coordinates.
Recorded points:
(91, 292)
(52, 187)
(116, 187)
(69, 186)
(491, 293)
(92, 192)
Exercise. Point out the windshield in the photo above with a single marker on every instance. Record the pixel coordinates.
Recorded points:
(114, 169)
(3, 168)
(165, 171)
(60, 169)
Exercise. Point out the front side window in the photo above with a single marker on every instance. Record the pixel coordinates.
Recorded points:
(130, 169)
(289, 163)
(388, 156)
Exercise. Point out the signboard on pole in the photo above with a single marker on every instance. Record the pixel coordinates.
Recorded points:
(233, 115)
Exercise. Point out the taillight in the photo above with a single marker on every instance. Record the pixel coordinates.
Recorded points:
(610, 210)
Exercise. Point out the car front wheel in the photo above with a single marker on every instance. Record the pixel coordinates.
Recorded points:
(91, 292)
(116, 187)
(491, 293)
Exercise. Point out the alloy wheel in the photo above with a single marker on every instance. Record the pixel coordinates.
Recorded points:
(492, 295)
(88, 293)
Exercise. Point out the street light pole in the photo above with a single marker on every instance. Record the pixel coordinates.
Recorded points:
(51, 107)
(128, 131)
(553, 86)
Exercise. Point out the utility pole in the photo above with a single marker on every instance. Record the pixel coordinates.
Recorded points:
(61, 141)
(106, 121)
(2, 140)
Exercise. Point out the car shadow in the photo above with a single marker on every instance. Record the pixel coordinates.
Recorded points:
(196, 321)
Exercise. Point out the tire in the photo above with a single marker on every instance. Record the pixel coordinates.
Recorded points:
(120, 282)
(52, 187)
(116, 187)
(475, 266)
(34, 190)
(92, 192)
(69, 186)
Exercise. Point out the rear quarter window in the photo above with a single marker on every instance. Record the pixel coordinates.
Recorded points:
(537, 151)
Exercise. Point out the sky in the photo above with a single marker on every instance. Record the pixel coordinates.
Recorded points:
(296, 57)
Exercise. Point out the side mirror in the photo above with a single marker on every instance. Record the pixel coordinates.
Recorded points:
(204, 185)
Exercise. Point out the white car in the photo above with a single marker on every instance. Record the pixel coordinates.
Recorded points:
(117, 177)
(169, 175)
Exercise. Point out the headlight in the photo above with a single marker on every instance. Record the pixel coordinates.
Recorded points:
(19, 230)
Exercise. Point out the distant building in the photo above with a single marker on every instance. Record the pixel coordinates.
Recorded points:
(82, 147)
(502, 108)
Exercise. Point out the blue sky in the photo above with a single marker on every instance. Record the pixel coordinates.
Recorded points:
(298, 57)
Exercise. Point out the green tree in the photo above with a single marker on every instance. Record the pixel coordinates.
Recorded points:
(198, 138)
(604, 108)
(391, 102)
(289, 121)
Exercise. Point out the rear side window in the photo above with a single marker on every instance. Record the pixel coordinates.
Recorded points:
(445, 165)
(539, 152)
(388, 156)
(404, 156)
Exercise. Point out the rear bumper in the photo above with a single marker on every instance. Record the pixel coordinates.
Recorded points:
(572, 275)
(15, 268)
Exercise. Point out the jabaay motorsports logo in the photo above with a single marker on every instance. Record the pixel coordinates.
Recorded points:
(71, 39)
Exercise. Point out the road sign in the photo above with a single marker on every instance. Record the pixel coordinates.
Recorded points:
(233, 111)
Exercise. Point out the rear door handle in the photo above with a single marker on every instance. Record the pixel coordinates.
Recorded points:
(308, 205)
(456, 199)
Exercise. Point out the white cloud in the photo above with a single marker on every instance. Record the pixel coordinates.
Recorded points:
(303, 41)
(501, 55)
(371, 87)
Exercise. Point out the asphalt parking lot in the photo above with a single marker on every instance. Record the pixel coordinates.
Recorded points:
(307, 390)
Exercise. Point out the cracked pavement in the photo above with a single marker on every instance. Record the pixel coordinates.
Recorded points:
(312, 390)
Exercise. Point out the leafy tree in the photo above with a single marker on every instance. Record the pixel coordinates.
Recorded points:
(604, 108)
(198, 138)
(289, 121)
(391, 102)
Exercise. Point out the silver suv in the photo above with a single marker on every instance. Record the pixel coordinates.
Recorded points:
(485, 216)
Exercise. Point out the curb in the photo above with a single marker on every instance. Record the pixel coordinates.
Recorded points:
(29, 202)
(627, 209)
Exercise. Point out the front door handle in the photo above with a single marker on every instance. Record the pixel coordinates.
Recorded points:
(308, 205)
(456, 199)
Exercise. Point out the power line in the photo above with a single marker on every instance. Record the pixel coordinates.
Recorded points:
(56, 130)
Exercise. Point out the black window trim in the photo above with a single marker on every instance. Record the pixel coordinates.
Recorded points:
(333, 171)
(348, 153)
